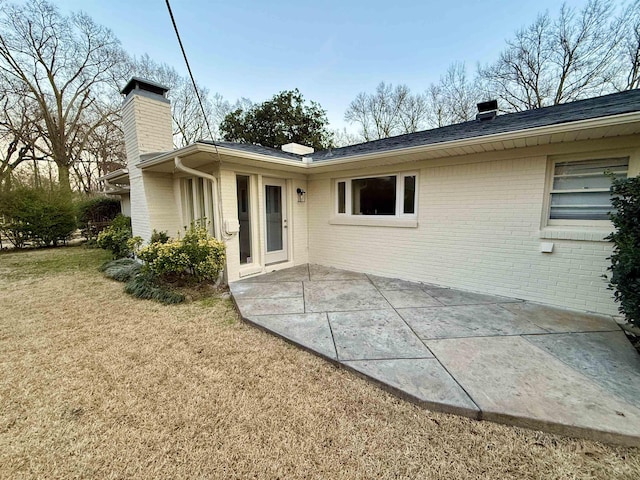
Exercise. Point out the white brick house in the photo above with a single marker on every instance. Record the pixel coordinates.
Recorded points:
(510, 205)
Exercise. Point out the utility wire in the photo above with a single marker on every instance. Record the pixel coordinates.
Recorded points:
(195, 88)
(204, 115)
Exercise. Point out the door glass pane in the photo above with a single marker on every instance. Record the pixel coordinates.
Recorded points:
(273, 206)
(244, 218)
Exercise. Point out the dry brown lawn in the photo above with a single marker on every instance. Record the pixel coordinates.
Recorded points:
(96, 384)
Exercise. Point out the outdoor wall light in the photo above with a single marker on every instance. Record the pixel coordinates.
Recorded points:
(301, 195)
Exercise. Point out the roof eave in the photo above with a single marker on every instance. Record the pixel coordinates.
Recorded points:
(496, 137)
(207, 148)
(111, 176)
(428, 148)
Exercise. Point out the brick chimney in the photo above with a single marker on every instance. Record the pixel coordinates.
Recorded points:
(146, 119)
(146, 123)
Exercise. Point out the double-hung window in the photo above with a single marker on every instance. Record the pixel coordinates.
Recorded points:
(579, 193)
(377, 196)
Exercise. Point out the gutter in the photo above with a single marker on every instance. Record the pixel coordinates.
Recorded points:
(496, 137)
(121, 172)
(309, 163)
(217, 222)
(200, 147)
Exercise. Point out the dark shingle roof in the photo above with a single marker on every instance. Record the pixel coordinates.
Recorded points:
(259, 149)
(614, 104)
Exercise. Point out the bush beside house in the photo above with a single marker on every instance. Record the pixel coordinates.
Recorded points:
(195, 258)
(95, 214)
(625, 260)
(116, 237)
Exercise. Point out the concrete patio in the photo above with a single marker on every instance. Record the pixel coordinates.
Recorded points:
(484, 357)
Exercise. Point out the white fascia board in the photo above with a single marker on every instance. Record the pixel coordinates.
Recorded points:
(496, 137)
(200, 147)
(121, 172)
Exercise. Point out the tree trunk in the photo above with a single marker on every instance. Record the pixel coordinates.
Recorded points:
(63, 177)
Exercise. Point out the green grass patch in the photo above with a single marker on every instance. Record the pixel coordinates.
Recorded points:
(18, 264)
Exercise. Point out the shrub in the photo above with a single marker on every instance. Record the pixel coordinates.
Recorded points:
(95, 214)
(42, 217)
(159, 237)
(116, 237)
(139, 283)
(197, 255)
(145, 285)
(625, 260)
(122, 269)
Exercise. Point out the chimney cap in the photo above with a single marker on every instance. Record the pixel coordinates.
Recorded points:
(137, 83)
(487, 106)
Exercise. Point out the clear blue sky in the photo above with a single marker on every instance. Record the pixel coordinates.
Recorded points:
(331, 50)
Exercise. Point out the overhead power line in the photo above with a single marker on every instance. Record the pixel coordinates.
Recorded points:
(195, 88)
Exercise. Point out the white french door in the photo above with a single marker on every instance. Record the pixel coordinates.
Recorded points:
(275, 211)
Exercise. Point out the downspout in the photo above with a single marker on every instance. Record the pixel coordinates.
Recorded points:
(217, 222)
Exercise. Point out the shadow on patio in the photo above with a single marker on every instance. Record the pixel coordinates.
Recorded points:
(484, 357)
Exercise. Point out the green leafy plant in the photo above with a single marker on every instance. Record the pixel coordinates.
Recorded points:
(145, 285)
(95, 214)
(138, 282)
(42, 217)
(159, 237)
(122, 269)
(196, 255)
(116, 237)
(625, 260)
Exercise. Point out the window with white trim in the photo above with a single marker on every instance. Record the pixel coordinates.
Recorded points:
(579, 192)
(197, 202)
(378, 196)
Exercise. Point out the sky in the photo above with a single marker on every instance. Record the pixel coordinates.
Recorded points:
(330, 50)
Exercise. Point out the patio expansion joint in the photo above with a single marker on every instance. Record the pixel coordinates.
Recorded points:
(565, 332)
(573, 368)
(304, 302)
(356, 360)
(479, 416)
(333, 338)
(515, 334)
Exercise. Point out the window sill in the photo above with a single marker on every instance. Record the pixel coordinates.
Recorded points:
(575, 233)
(374, 221)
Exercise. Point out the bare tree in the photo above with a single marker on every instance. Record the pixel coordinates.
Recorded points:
(67, 65)
(453, 99)
(386, 112)
(344, 138)
(103, 153)
(18, 134)
(557, 61)
(629, 55)
(189, 122)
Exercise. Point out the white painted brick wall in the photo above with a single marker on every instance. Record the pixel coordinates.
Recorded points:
(478, 229)
(299, 224)
(147, 128)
